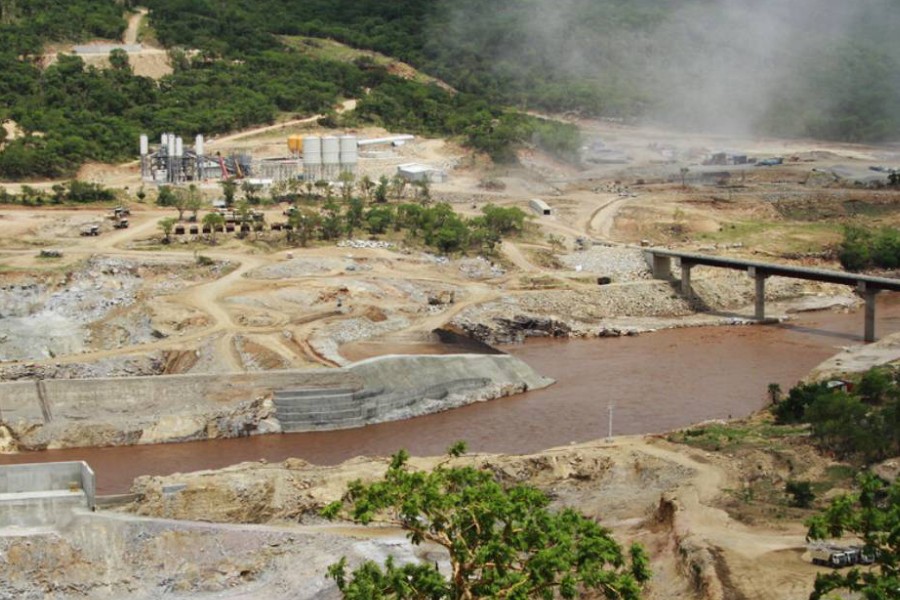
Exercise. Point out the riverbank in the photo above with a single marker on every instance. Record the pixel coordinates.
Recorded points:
(57, 414)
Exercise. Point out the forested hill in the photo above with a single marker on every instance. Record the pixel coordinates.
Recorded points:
(823, 68)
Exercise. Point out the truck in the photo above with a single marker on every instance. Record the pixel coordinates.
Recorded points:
(831, 555)
(121, 224)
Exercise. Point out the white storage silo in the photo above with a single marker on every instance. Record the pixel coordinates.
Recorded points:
(331, 157)
(349, 154)
(164, 141)
(198, 144)
(145, 145)
(312, 158)
(171, 148)
(179, 147)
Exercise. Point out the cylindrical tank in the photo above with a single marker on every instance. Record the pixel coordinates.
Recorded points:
(171, 148)
(145, 145)
(295, 144)
(312, 158)
(198, 144)
(179, 147)
(164, 141)
(331, 157)
(349, 154)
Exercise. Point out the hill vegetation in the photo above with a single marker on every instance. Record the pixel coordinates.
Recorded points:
(625, 60)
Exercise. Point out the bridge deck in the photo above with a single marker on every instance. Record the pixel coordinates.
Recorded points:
(766, 269)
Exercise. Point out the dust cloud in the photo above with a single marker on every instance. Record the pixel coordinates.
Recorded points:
(728, 66)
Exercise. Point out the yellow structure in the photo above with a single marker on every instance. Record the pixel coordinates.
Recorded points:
(295, 144)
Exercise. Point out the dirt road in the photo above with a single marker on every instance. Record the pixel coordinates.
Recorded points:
(134, 26)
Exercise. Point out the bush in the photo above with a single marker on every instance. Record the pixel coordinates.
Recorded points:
(801, 493)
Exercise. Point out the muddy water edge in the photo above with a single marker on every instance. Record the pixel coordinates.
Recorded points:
(654, 383)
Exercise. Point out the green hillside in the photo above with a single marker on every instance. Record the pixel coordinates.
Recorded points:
(807, 68)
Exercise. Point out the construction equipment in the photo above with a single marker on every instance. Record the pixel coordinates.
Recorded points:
(121, 224)
(830, 555)
(91, 230)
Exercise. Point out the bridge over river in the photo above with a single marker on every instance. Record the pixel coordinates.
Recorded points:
(868, 287)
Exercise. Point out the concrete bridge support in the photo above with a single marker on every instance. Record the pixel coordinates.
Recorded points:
(661, 266)
(760, 300)
(686, 290)
(869, 295)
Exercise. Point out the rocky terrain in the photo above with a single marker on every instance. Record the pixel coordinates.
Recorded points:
(125, 304)
(253, 529)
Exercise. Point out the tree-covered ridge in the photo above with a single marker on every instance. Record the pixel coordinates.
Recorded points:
(72, 112)
(242, 76)
(25, 25)
(677, 60)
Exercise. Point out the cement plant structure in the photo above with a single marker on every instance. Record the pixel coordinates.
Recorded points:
(312, 158)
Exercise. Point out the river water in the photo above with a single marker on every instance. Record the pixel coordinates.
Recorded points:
(654, 382)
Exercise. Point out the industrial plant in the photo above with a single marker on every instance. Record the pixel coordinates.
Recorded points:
(310, 158)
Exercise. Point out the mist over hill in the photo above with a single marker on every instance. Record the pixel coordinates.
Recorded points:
(823, 68)
(820, 68)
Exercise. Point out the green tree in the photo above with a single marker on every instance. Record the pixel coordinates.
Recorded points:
(505, 221)
(304, 225)
(165, 196)
(354, 216)
(381, 190)
(801, 493)
(873, 515)
(378, 219)
(166, 225)
(229, 190)
(502, 542)
(214, 221)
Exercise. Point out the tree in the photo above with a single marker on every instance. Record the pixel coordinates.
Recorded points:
(229, 189)
(381, 190)
(304, 223)
(801, 493)
(167, 225)
(354, 214)
(871, 515)
(193, 201)
(346, 179)
(502, 542)
(165, 196)
(213, 221)
(366, 185)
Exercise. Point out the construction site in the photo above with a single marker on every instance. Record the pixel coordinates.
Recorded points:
(329, 158)
(181, 396)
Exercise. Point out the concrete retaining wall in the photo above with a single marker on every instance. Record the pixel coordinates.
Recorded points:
(33, 495)
(171, 408)
(398, 387)
(85, 398)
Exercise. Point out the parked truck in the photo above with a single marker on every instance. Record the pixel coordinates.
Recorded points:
(830, 555)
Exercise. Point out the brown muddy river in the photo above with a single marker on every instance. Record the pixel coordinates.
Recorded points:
(655, 382)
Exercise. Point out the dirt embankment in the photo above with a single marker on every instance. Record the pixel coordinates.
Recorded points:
(671, 498)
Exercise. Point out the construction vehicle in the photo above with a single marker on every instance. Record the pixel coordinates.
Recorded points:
(91, 230)
(121, 224)
(830, 555)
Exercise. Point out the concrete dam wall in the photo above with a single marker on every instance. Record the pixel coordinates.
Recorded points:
(173, 408)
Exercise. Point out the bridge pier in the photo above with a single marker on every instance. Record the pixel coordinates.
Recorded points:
(760, 300)
(661, 266)
(869, 326)
(686, 290)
